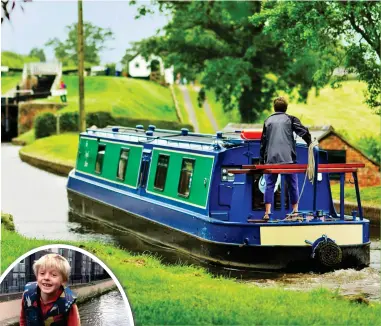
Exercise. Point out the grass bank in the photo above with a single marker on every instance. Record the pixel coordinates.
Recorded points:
(9, 82)
(61, 148)
(201, 116)
(26, 138)
(186, 295)
(343, 108)
(370, 196)
(180, 101)
(125, 97)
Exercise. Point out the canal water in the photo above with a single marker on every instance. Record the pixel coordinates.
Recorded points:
(108, 309)
(38, 202)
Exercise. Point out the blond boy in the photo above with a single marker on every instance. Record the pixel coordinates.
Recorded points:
(49, 301)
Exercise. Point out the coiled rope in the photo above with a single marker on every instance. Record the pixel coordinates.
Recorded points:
(310, 173)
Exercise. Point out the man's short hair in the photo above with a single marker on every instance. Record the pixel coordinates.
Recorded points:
(280, 104)
(53, 261)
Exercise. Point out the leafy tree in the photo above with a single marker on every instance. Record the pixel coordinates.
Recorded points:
(39, 53)
(130, 54)
(7, 6)
(371, 146)
(319, 26)
(244, 66)
(95, 39)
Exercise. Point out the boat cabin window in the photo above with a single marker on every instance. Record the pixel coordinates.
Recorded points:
(225, 176)
(100, 156)
(161, 172)
(123, 161)
(186, 177)
(336, 156)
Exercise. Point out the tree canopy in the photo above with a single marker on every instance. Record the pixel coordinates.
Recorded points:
(319, 27)
(38, 53)
(248, 51)
(7, 6)
(95, 39)
(244, 66)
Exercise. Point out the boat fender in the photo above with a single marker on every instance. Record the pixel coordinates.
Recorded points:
(326, 251)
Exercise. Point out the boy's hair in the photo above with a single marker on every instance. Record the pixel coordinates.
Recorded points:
(53, 261)
(280, 104)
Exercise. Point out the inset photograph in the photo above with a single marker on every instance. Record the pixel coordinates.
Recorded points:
(62, 286)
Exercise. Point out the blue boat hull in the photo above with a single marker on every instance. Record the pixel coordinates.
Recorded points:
(231, 255)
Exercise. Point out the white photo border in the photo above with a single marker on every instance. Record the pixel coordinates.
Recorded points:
(64, 246)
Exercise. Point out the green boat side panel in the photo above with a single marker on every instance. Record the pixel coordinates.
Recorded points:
(87, 156)
(200, 181)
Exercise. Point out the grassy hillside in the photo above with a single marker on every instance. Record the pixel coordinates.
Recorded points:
(9, 82)
(180, 101)
(14, 60)
(201, 116)
(343, 108)
(122, 97)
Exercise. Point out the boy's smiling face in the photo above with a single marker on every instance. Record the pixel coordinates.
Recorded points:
(49, 280)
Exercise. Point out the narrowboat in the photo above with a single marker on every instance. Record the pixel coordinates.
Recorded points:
(202, 194)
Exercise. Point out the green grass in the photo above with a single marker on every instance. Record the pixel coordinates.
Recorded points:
(180, 101)
(27, 137)
(61, 148)
(370, 196)
(14, 60)
(222, 117)
(343, 108)
(183, 295)
(201, 116)
(9, 82)
(125, 97)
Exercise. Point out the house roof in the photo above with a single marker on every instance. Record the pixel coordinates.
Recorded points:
(317, 132)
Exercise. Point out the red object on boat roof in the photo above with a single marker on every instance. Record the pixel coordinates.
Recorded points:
(251, 134)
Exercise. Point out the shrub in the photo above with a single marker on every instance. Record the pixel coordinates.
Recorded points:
(45, 124)
(69, 121)
(371, 146)
(100, 119)
(7, 221)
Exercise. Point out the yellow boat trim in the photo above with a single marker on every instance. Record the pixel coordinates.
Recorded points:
(295, 235)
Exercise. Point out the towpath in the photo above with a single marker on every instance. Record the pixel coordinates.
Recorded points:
(208, 111)
(189, 107)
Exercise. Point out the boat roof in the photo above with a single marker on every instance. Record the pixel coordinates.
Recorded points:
(173, 138)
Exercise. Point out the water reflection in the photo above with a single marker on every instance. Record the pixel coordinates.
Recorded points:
(108, 309)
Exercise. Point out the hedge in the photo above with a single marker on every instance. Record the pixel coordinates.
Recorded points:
(46, 123)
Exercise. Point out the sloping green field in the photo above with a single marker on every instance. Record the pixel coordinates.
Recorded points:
(122, 97)
(125, 97)
(9, 82)
(14, 60)
(343, 108)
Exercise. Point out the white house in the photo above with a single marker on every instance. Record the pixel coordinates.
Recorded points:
(139, 67)
(95, 70)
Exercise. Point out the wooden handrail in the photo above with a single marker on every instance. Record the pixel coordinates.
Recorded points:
(300, 166)
(289, 170)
